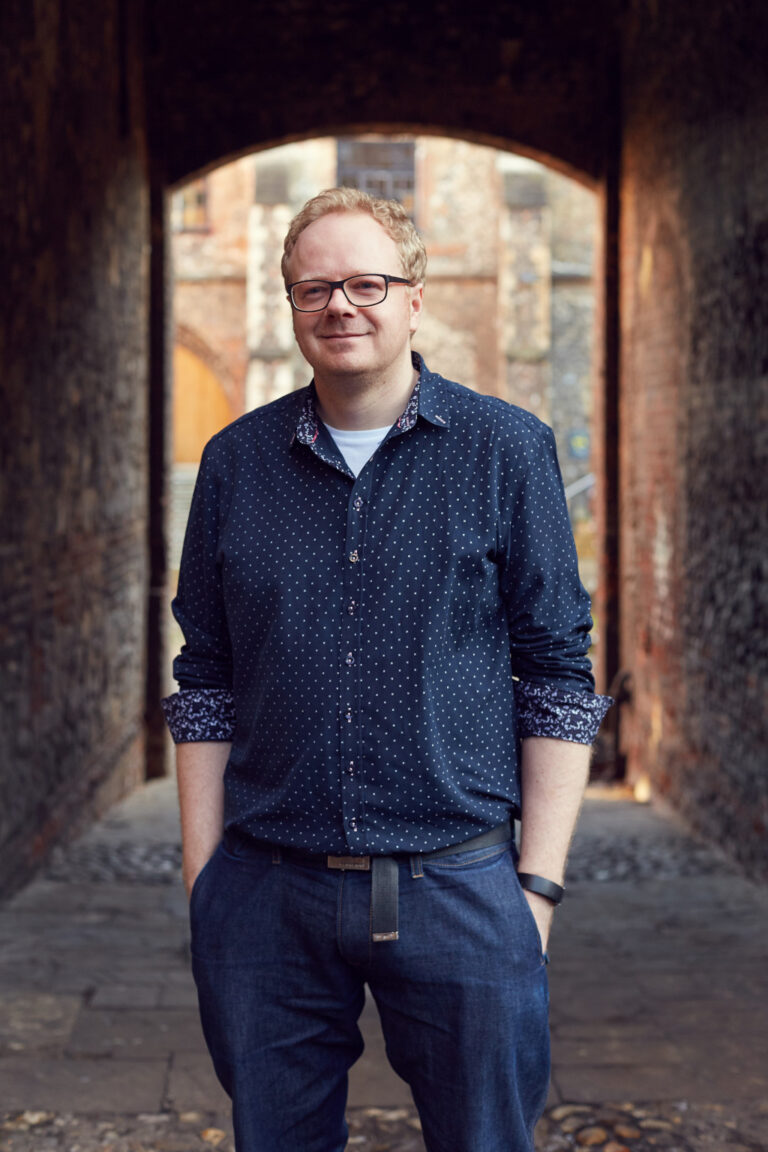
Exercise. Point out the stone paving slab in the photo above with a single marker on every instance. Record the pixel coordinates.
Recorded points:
(697, 1083)
(132, 1034)
(192, 1086)
(140, 972)
(83, 1086)
(34, 1020)
(606, 1032)
(175, 995)
(628, 1052)
(696, 1018)
(140, 995)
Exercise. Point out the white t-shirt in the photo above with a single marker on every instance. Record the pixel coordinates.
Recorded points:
(357, 446)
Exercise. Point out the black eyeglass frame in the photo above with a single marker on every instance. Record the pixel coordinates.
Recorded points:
(334, 284)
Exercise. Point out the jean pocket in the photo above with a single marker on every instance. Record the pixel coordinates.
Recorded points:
(252, 859)
(461, 861)
(199, 878)
(527, 913)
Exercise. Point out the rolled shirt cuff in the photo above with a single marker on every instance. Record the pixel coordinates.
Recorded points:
(197, 714)
(557, 713)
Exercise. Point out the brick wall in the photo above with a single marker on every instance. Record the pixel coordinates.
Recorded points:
(73, 436)
(694, 404)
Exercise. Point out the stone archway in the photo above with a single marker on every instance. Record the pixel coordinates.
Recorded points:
(666, 103)
(662, 107)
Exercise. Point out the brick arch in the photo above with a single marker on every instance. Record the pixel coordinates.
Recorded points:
(186, 337)
(538, 79)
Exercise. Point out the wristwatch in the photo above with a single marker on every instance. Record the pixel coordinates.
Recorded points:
(546, 888)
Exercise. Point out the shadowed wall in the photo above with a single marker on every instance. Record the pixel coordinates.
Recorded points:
(694, 395)
(73, 231)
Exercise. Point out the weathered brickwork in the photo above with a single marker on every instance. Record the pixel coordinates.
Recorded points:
(73, 433)
(694, 406)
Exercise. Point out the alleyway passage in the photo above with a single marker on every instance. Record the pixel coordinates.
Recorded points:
(659, 987)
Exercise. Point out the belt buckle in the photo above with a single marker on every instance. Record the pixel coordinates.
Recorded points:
(349, 863)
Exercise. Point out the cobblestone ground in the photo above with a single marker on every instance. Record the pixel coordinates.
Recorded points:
(611, 856)
(622, 1127)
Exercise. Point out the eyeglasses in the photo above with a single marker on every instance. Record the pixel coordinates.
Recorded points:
(363, 291)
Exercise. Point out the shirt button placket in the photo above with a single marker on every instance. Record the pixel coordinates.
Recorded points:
(352, 666)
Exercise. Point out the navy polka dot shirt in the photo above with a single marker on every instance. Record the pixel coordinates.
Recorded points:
(375, 647)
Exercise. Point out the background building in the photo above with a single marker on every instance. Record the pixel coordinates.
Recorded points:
(509, 302)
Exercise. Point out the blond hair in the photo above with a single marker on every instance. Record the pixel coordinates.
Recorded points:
(390, 214)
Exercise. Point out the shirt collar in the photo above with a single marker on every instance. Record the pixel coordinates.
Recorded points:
(432, 395)
(428, 400)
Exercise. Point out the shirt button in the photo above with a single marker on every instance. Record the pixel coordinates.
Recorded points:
(357, 503)
(354, 557)
(352, 607)
(351, 768)
(349, 659)
(348, 714)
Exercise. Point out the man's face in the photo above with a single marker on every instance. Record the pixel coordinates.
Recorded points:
(343, 340)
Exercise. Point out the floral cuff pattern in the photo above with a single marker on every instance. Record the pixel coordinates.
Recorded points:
(561, 715)
(196, 714)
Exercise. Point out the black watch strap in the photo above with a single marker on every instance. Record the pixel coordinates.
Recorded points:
(541, 887)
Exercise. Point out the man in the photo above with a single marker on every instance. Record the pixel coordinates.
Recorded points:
(385, 662)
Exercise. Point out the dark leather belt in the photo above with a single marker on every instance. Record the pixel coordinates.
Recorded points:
(385, 873)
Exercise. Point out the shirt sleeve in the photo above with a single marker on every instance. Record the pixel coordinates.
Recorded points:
(548, 609)
(197, 714)
(203, 708)
(545, 711)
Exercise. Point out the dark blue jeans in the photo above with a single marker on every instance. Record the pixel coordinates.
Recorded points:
(281, 955)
